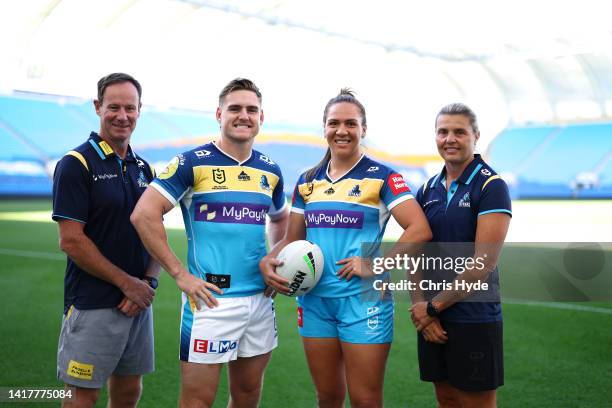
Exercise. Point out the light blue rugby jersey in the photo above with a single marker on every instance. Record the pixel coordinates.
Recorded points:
(342, 215)
(224, 204)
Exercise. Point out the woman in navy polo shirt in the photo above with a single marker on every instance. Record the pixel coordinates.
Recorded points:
(460, 340)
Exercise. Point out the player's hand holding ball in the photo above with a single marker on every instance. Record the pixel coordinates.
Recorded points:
(301, 266)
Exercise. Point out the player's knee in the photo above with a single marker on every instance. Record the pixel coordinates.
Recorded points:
(367, 401)
(330, 399)
(126, 397)
(193, 402)
(447, 398)
(84, 398)
(246, 394)
(196, 398)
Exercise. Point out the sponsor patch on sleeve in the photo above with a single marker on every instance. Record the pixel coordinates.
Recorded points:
(80, 370)
(397, 184)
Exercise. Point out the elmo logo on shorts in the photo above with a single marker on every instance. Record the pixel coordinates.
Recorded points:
(397, 184)
(300, 317)
(214, 346)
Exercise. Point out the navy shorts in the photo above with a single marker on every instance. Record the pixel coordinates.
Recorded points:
(471, 360)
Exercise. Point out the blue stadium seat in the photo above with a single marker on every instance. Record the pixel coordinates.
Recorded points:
(511, 147)
(47, 124)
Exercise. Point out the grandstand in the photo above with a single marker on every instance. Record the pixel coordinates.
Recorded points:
(38, 129)
(546, 161)
(565, 161)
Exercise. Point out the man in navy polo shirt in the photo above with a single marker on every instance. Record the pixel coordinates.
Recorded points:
(107, 329)
(468, 207)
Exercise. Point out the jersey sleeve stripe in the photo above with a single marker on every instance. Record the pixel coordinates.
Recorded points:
(297, 210)
(495, 177)
(54, 216)
(163, 192)
(400, 200)
(80, 157)
(497, 210)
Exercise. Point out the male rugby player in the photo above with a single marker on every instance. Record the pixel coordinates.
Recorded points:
(226, 190)
(107, 330)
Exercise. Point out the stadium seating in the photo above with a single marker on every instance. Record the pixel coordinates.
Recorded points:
(537, 161)
(555, 161)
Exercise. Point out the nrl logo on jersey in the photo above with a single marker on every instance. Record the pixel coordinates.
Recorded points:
(308, 189)
(373, 168)
(485, 172)
(219, 176)
(465, 201)
(330, 191)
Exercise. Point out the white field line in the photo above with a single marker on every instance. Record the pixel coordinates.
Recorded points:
(33, 254)
(557, 305)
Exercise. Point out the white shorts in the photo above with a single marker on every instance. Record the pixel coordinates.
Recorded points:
(238, 327)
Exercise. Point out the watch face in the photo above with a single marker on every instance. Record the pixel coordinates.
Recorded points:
(152, 282)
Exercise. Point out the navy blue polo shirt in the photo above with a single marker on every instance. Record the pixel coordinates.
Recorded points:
(94, 186)
(453, 217)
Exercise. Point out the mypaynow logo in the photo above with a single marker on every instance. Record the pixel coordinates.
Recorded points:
(235, 213)
(334, 219)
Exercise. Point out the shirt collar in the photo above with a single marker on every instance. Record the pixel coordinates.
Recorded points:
(105, 151)
(345, 174)
(240, 163)
(466, 177)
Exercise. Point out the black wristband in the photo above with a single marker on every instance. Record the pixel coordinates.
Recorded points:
(151, 281)
(432, 310)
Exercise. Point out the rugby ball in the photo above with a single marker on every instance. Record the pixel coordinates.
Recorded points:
(302, 266)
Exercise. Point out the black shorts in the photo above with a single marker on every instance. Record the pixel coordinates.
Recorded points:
(471, 360)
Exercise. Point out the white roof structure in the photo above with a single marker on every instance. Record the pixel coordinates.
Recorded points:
(512, 62)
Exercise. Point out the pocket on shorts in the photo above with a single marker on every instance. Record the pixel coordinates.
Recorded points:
(74, 318)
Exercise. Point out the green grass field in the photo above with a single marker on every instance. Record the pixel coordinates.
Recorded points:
(554, 357)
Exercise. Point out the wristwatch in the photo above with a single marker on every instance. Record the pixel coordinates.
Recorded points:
(432, 310)
(151, 281)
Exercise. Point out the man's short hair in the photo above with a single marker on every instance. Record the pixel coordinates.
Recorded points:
(239, 84)
(117, 78)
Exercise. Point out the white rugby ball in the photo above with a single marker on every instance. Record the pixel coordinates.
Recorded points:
(302, 266)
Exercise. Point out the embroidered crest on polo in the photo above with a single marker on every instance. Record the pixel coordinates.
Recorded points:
(142, 181)
(465, 201)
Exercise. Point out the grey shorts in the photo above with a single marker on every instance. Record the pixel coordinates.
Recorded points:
(95, 344)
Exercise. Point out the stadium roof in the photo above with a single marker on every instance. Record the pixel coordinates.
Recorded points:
(521, 61)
